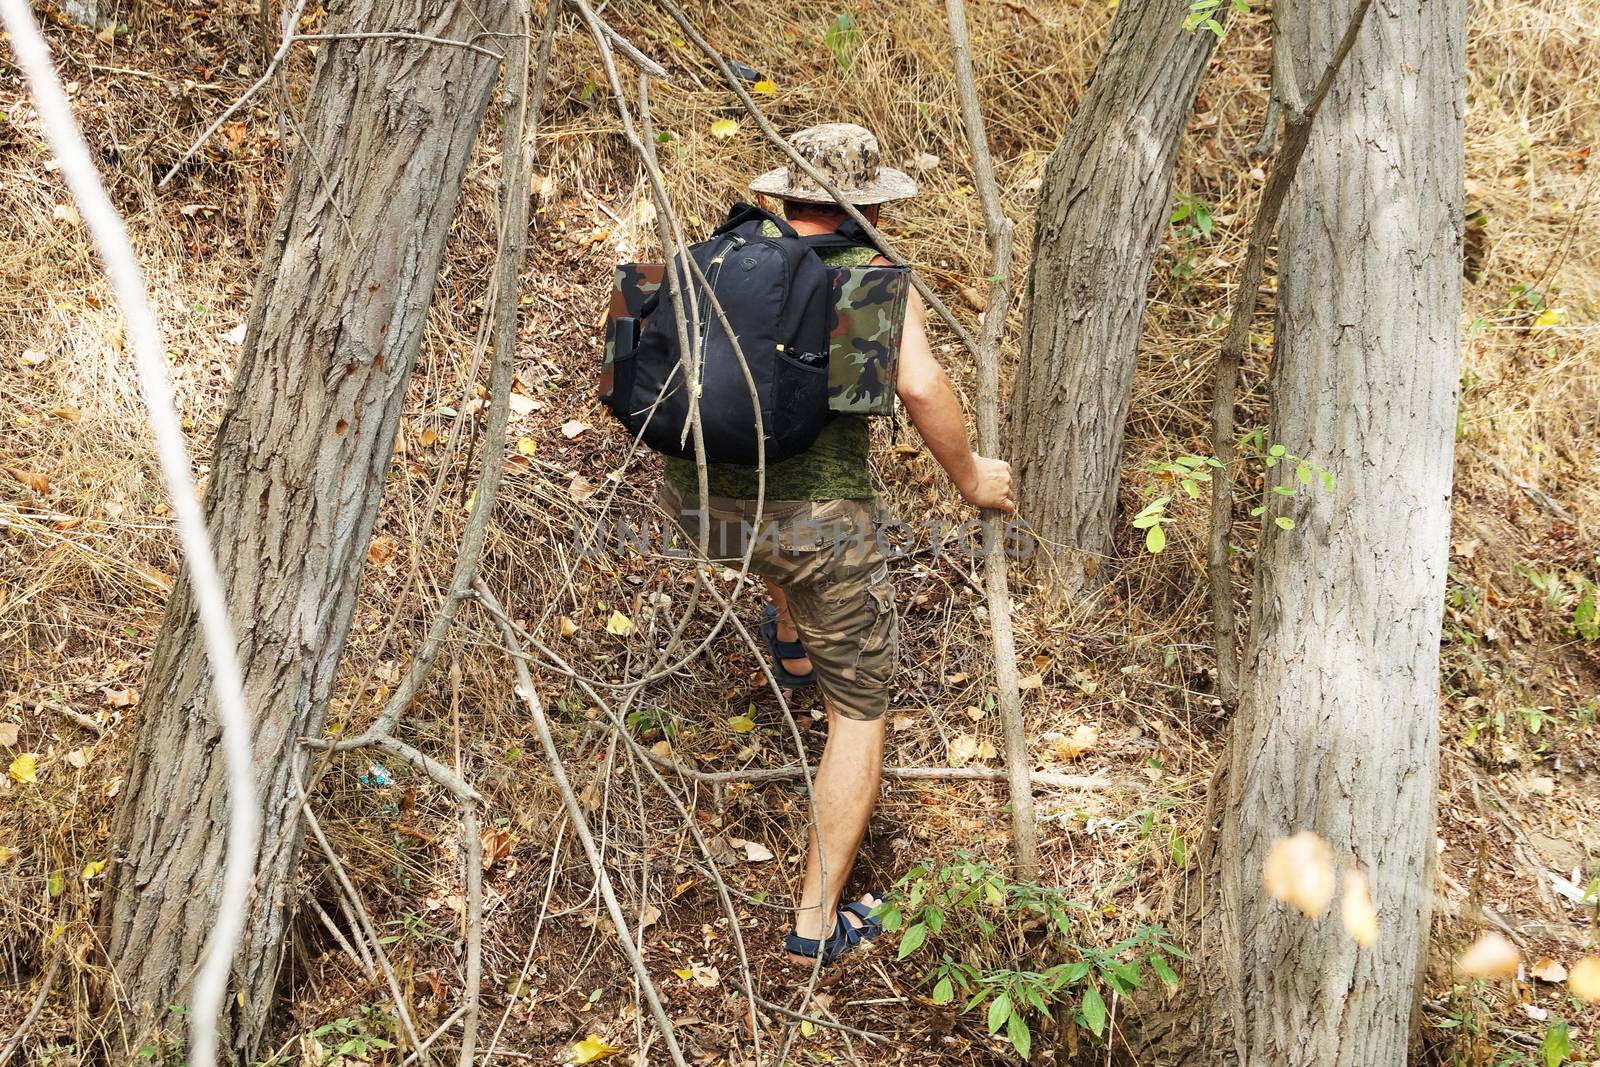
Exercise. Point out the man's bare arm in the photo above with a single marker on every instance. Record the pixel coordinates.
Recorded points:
(925, 391)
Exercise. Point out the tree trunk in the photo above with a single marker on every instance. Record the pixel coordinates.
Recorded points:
(297, 471)
(1102, 210)
(1337, 728)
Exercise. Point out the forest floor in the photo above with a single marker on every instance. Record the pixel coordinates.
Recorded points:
(1120, 682)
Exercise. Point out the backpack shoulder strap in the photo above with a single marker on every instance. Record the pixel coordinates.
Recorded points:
(742, 216)
(848, 235)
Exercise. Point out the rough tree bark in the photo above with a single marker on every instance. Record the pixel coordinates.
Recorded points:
(1102, 207)
(296, 474)
(1337, 727)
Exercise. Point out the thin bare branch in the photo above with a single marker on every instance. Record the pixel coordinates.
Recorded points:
(1024, 827)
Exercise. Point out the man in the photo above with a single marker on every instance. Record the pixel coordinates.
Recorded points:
(831, 620)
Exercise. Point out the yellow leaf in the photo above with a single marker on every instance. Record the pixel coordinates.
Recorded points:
(593, 1049)
(741, 724)
(685, 973)
(724, 128)
(1083, 738)
(1584, 981)
(428, 437)
(25, 768)
(662, 749)
(619, 624)
(1550, 317)
(6, 854)
(1491, 956)
(1299, 871)
(1359, 916)
(766, 87)
(568, 627)
(527, 446)
(807, 1027)
(93, 867)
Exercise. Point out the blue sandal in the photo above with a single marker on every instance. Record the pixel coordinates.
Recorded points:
(845, 936)
(782, 650)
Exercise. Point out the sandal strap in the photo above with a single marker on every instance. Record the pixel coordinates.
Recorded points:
(781, 649)
(871, 925)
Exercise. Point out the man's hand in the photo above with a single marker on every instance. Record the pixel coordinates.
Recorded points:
(990, 486)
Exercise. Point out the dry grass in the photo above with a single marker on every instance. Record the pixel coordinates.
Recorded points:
(87, 562)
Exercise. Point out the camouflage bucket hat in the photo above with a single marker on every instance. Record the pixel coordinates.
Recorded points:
(847, 155)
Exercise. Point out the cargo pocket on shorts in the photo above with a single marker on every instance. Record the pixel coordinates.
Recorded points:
(875, 659)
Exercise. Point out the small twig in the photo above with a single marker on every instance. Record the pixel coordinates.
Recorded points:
(1024, 827)
(365, 920)
(255, 87)
(1534, 493)
(1298, 119)
(829, 1023)
(622, 44)
(15, 1041)
(580, 824)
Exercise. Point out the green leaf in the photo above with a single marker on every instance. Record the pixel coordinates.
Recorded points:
(999, 1008)
(912, 940)
(1163, 970)
(1302, 471)
(944, 992)
(1180, 851)
(1017, 1031)
(1153, 508)
(1277, 451)
(1192, 489)
(1094, 1010)
(891, 917)
(1584, 617)
(1255, 512)
(1155, 540)
(1284, 522)
(1557, 1044)
(1327, 480)
(1283, 490)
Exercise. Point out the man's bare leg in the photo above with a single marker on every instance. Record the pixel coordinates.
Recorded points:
(786, 628)
(846, 788)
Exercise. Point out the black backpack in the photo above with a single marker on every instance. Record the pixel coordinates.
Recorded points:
(778, 298)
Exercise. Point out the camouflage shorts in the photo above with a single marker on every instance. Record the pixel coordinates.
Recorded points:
(826, 557)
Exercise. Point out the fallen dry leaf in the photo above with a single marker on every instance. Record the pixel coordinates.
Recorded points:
(754, 851)
(581, 488)
(379, 551)
(593, 1049)
(37, 482)
(572, 429)
(619, 624)
(25, 768)
(78, 758)
(123, 697)
(1299, 872)
(1083, 738)
(1548, 970)
(566, 626)
(66, 412)
(1359, 915)
(523, 405)
(1491, 956)
(32, 357)
(1031, 681)
(8, 733)
(1584, 981)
